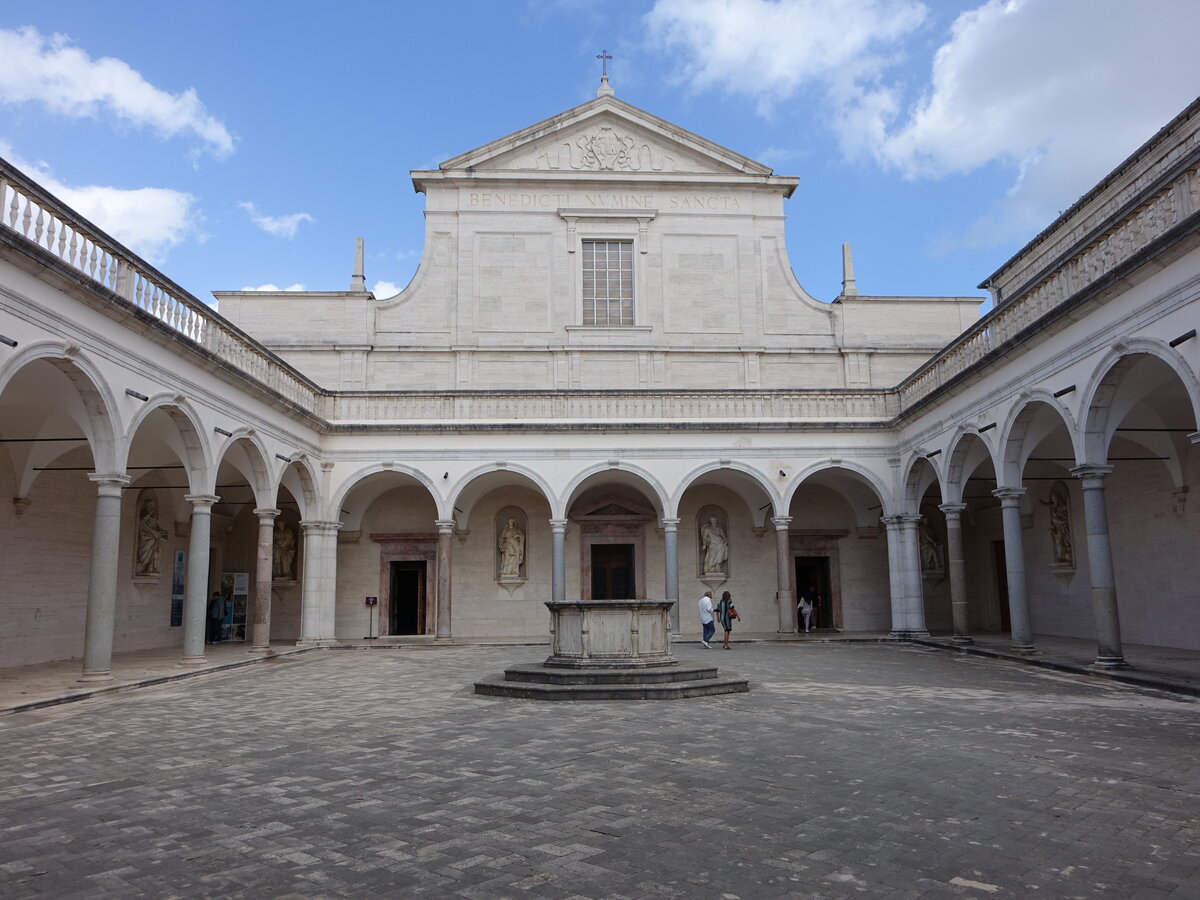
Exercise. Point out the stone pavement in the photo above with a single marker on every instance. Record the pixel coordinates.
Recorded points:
(849, 770)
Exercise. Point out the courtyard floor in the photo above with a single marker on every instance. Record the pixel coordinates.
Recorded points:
(849, 770)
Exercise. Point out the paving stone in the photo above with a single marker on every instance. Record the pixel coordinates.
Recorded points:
(863, 770)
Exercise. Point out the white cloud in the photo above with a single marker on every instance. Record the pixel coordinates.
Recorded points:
(280, 226)
(385, 289)
(274, 288)
(1058, 90)
(48, 70)
(150, 221)
(769, 50)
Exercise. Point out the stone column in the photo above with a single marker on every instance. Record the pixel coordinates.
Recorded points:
(914, 588)
(445, 529)
(1014, 564)
(784, 595)
(102, 583)
(195, 603)
(558, 560)
(671, 568)
(958, 572)
(310, 591)
(895, 576)
(261, 633)
(329, 546)
(1109, 654)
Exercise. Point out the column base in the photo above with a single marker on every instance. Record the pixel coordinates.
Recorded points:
(264, 649)
(1024, 650)
(1110, 662)
(905, 635)
(963, 639)
(443, 638)
(192, 661)
(313, 643)
(94, 678)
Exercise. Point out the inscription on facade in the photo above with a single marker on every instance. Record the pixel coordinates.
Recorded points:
(532, 200)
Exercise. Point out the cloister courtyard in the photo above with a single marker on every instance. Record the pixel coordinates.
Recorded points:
(848, 770)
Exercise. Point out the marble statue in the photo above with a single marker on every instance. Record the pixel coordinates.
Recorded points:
(150, 538)
(512, 549)
(283, 559)
(931, 550)
(715, 546)
(1060, 526)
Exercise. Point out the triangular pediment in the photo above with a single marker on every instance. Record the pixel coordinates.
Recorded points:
(605, 135)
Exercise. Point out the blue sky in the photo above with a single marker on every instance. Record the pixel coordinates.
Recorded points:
(241, 144)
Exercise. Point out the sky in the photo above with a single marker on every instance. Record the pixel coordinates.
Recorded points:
(244, 145)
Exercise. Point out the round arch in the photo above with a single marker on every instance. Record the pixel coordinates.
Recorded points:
(623, 474)
(380, 486)
(920, 473)
(101, 422)
(298, 477)
(472, 487)
(246, 443)
(969, 449)
(1103, 390)
(193, 450)
(1032, 418)
(739, 475)
(857, 473)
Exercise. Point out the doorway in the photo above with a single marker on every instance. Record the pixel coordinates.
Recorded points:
(406, 607)
(612, 572)
(1001, 564)
(813, 571)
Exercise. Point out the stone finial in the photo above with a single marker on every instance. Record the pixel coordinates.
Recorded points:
(849, 287)
(358, 282)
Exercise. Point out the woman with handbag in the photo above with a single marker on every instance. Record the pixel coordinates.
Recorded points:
(726, 612)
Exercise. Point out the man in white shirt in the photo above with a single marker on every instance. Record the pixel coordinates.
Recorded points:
(706, 617)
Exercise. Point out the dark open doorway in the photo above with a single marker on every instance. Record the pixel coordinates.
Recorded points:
(612, 572)
(407, 598)
(813, 572)
(1001, 564)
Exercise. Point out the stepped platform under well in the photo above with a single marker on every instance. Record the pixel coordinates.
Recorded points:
(610, 650)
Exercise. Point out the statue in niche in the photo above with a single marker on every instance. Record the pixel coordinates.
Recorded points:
(1063, 544)
(511, 545)
(715, 547)
(150, 536)
(931, 550)
(283, 557)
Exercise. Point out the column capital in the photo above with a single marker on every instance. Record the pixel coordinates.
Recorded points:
(952, 510)
(1091, 472)
(108, 484)
(202, 502)
(1010, 494)
(1194, 437)
(558, 526)
(670, 524)
(781, 522)
(445, 526)
(265, 513)
(891, 521)
(910, 519)
(319, 526)
(109, 478)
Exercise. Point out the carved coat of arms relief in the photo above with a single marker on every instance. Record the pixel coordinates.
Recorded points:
(605, 149)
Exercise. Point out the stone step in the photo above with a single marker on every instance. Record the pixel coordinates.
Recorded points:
(541, 674)
(497, 686)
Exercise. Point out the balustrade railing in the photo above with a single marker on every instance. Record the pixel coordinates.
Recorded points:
(39, 217)
(367, 407)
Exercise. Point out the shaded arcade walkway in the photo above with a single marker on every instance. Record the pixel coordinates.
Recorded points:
(48, 684)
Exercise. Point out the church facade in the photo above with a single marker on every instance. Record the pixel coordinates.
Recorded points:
(605, 381)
